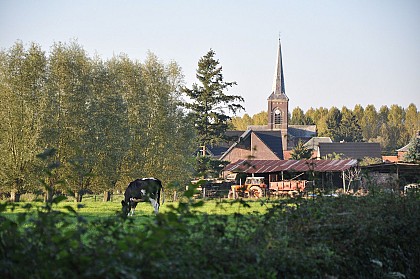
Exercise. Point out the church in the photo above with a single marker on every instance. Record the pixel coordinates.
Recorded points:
(273, 141)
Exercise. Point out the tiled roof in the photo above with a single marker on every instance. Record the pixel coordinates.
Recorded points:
(354, 150)
(270, 166)
(272, 140)
(302, 131)
(314, 142)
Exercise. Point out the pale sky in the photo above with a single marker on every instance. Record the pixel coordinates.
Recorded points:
(335, 53)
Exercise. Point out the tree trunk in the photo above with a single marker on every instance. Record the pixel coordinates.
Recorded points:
(107, 196)
(48, 195)
(78, 196)
(14, 196)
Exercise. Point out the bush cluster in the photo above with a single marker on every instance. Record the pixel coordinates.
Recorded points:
(344, 237)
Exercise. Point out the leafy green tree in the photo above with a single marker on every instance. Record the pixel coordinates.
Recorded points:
(300, 151)
(399, 136)
(413, 153)
(22, 80)
(260, 118)
(66, 110)
(358, 111)
(383, 115)
(310, 116)
(333, 121)
(298, 117)
(369, 123)
(209, 102)
(319, 117)
(109, 129)
(412, 120)
(366, 161)
(168, 136)
(349, 130)
(241, 123)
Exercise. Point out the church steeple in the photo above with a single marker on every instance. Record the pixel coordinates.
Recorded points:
(278, 91)
(278, 102)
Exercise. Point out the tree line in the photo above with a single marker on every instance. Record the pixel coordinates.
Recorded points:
(89, 124)
(393, 127)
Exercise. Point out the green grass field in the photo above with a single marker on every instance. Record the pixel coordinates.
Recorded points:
(92, 207)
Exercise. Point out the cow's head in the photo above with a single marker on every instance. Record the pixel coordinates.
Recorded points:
(125, 207)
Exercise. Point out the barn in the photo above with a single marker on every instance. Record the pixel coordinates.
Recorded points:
(326, 174)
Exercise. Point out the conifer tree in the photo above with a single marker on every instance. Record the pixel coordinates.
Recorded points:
(301, 152)
(413, 154)
(209, 103)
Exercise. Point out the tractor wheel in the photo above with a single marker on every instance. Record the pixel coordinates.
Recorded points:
(232, 195)
(293, 194)
(255, 192)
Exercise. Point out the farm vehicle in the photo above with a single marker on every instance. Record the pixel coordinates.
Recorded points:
(292, 188)
(255, 187)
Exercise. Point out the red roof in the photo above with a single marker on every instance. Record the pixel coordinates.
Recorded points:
(270, 166)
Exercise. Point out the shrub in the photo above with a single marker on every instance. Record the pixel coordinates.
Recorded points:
(344, 237)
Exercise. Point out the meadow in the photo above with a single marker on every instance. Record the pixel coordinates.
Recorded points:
(93, 207)
(328, 237)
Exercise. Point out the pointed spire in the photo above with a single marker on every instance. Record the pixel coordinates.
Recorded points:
(279, 91)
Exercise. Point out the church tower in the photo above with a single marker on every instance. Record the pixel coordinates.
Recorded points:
(278, 102)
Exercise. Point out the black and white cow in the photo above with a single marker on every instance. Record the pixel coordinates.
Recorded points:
(141, 190)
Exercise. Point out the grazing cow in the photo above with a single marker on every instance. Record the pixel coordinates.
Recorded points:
(144, 189)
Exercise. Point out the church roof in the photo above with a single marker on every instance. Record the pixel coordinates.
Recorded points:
(279, 91)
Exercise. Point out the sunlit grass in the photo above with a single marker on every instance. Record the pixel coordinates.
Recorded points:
(92, 207)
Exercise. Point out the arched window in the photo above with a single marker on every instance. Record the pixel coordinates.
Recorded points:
(278, 117)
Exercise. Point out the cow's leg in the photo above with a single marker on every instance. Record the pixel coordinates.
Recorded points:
(155, 205)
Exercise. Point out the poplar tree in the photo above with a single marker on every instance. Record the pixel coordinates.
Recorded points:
(333, 120)
(412, 119)
(67, 126)
(298, 117)
(349, 129)
(369, 123)
(109, 129)
(22, 80)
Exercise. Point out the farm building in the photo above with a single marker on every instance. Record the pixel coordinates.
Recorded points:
(353, 150)
(391, 175)
(327, 174)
